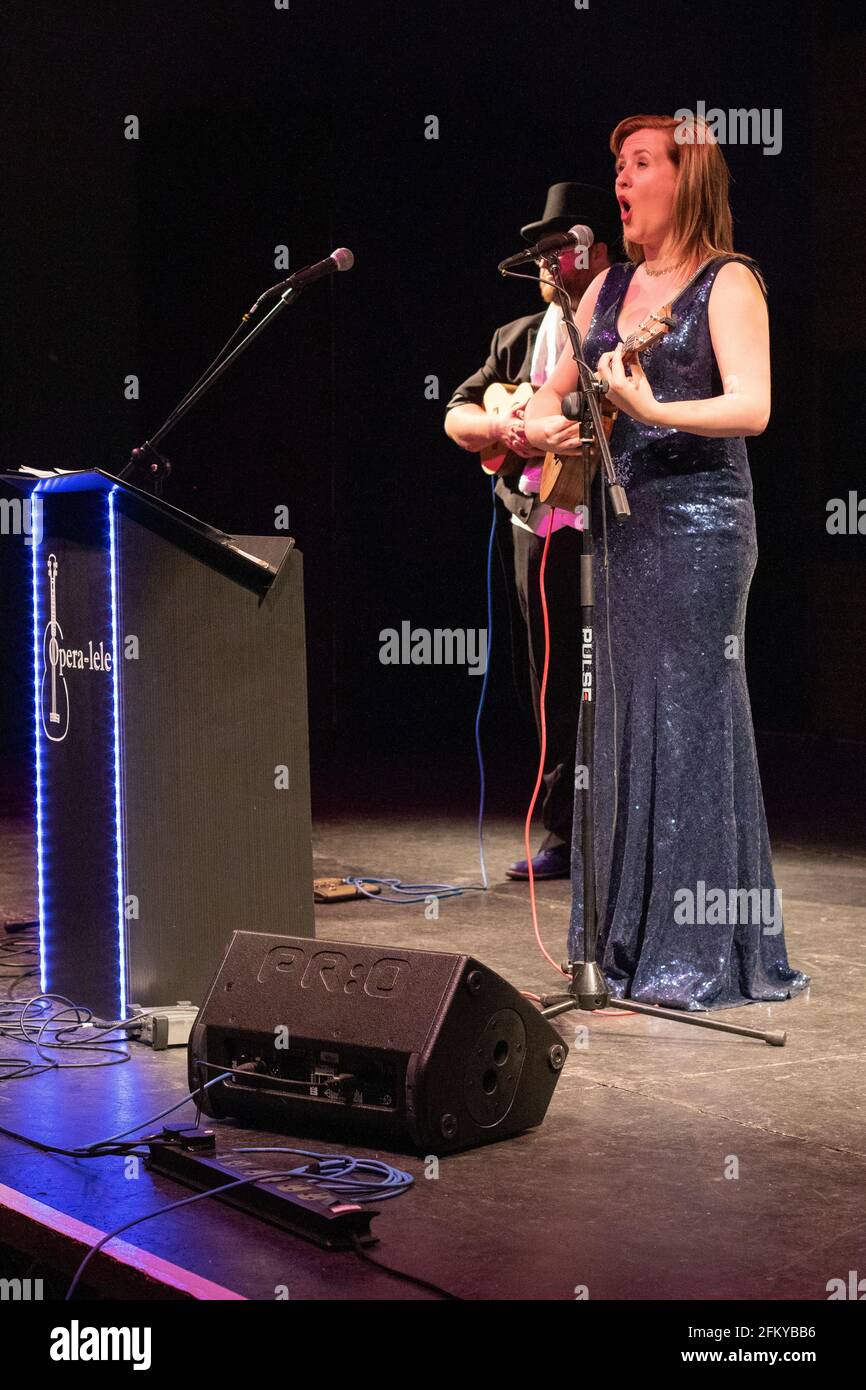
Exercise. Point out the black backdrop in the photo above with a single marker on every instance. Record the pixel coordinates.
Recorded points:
(305, 126)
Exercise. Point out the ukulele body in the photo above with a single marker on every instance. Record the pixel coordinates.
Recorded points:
(562, 476)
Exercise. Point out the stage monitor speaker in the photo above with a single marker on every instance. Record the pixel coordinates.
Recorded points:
(408, 1050)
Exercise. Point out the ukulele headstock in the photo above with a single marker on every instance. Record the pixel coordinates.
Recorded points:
(649, 331)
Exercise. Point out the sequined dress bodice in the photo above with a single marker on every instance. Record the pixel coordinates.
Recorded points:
(681, 366)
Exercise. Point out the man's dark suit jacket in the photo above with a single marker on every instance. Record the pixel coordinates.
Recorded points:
(509, 361)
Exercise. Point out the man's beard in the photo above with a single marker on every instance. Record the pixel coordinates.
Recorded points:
(574, 286)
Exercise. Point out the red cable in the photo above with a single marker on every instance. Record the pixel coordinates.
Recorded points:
(528, 823)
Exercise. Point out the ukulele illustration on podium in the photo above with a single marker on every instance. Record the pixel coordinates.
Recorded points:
(55, 719)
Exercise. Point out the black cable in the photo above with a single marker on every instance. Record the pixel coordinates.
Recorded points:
(19, 950)
(172, 1206)
(108, 1148)
(226, 1187)
(403, 1274)
(103, 1147)
(61, 1022)
(58, 1149)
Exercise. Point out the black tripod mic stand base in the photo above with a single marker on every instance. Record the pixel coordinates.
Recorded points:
(589, 992)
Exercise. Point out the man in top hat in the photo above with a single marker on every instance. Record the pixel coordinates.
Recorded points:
(526, 350)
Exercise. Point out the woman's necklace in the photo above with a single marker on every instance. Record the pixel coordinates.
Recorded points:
(666, 270)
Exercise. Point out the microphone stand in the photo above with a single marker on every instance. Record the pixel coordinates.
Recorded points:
(589, 990)
(147, 458)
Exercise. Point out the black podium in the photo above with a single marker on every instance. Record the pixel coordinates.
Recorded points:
(171, 760)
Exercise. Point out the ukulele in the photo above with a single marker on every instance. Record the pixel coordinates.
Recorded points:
(501, 399)
(562, 477)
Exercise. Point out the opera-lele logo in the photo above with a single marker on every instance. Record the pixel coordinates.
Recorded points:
(57, 659)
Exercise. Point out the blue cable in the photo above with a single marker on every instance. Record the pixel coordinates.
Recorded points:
(478, 751)
(412, 892)
(336, 1172)
(421, 892)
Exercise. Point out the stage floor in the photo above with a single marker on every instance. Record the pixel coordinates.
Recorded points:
(622, 1191)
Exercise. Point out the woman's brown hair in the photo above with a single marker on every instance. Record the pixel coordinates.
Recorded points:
(702, 223)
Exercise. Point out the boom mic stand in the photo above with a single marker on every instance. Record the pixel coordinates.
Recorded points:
(146, 459)
(589, 990)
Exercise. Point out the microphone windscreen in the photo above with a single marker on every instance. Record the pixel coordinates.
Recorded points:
(583, 236)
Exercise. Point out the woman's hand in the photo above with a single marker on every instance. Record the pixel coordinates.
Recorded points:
(553, 433)
(633, 394)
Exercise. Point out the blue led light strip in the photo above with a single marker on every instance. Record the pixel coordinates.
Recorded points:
(37, 710)
(118, 771)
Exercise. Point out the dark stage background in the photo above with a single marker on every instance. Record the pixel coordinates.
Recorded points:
(305, 126)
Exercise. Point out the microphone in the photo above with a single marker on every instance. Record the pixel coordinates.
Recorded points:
(341, 259)
(575, 236)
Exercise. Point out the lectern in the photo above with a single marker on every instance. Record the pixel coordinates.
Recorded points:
(170, 742)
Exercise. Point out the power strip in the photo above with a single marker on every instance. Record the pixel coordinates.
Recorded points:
(293, 1204)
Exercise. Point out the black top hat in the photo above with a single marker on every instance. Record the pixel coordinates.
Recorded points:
(571, 203)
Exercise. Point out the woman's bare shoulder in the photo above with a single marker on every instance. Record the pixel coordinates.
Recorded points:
(589, 299)
(737, 280)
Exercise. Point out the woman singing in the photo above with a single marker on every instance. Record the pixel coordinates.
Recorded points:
(689, 915)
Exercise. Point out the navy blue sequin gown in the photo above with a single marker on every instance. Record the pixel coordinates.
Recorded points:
(675, 926)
